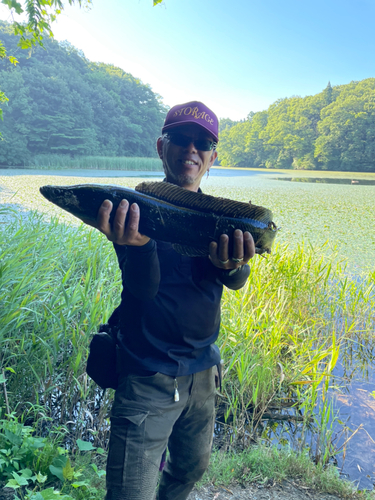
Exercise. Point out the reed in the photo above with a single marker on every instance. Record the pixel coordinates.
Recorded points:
(280, 339)
(57, 283)
(95, 163)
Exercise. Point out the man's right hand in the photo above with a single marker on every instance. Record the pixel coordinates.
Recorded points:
(118, 232)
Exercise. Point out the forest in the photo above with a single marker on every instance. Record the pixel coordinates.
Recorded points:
(61, 103)
(332, 130)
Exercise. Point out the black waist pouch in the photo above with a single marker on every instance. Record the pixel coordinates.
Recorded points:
(102, 359)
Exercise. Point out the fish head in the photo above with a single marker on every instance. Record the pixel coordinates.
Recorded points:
(67, 198)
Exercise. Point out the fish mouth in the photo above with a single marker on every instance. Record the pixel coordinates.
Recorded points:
(62, 198)
(47, 192)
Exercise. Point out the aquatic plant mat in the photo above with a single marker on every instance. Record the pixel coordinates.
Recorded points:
(282, 336)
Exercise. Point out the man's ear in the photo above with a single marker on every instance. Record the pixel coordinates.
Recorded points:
(213, 158)
(159, 147)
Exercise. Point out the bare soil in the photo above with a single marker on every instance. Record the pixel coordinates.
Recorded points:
(287, 490)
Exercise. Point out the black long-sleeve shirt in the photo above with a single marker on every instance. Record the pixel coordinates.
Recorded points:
(170, 309)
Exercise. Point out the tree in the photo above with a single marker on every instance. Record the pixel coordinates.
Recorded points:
(40, 16)
(60, 102)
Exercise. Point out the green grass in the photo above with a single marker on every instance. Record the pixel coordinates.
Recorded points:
(95, 162)
(58, 283)
(262, 465)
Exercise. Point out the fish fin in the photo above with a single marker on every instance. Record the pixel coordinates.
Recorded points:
(204, 202)
(190, 251)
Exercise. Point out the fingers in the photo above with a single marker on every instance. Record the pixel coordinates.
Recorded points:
(131, 230)
(249, 246)
(119, 221)
(243, 250)
(121, 231)
(102, 219)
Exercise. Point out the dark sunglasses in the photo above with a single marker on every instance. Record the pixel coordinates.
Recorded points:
(185, 140)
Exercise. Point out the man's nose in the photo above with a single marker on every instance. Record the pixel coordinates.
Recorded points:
(191, 147)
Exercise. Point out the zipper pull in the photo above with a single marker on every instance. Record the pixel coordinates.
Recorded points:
(176, 393)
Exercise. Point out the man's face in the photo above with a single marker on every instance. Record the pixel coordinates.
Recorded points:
(186, 165)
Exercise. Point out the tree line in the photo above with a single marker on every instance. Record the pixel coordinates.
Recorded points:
(332, 130)
(61, 103)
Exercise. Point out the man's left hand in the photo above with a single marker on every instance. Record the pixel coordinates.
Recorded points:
(243, 250)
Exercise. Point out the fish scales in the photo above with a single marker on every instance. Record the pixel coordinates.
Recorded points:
(204, 202)
(189, 230)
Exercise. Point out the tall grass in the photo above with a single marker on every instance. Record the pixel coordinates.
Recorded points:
(95, 162)
(57, 283)
(280, 339)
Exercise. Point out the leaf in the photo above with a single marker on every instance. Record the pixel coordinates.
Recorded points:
(302, 382)
(57, 466)
(85, 445)
(26, 473)
(57, 471)
(21, 481)
(79, 484)
(68, 471)
(2, 379)
(13, 60)
(13, 438)
(12, 483)
(13, 4)
(48, 494)
(41, 478)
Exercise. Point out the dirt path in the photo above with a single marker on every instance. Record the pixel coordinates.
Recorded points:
(285, 491)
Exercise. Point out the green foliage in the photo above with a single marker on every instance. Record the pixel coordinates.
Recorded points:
(57, 284)
(60, 103)
(95, 162)
(333, 130)
(40, 16)
(27, 460)
(19, 449)
(262, 464)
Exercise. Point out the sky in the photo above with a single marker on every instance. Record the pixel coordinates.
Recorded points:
(236, 56)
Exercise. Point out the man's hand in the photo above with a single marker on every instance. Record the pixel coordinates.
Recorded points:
(243, 250)
(118, 232)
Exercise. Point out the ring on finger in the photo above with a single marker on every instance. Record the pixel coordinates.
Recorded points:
(237, 260)
(224, 262)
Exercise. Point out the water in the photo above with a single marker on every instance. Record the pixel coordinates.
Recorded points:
(328, 180)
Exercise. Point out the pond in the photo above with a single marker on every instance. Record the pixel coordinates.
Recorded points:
(336, 216)
(329, 180)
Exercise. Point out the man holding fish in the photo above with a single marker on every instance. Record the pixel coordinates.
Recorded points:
(169, 320)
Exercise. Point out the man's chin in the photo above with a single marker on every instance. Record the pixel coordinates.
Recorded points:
(181, 180)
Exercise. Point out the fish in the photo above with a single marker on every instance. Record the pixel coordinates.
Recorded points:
(188, 220)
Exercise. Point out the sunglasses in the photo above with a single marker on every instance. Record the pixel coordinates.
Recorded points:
(185, 140)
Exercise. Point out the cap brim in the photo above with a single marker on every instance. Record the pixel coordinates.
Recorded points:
(194, 122)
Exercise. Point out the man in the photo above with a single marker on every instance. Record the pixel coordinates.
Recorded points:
(169, 319)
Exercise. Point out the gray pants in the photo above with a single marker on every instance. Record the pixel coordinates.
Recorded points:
(145, 419)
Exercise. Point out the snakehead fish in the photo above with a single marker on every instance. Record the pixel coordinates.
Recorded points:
(188, 220)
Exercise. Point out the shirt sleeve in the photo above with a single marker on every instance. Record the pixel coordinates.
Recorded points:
(236, 280)
(140, 269)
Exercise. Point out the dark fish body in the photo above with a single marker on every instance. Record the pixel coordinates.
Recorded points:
(190, 228)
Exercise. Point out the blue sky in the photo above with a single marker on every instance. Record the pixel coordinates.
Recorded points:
(236, 56)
